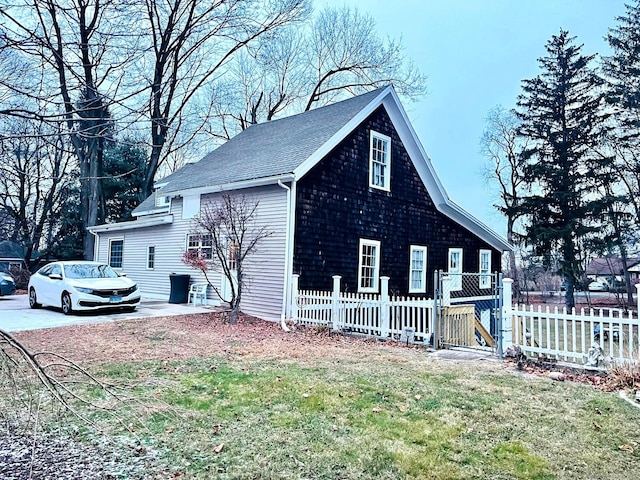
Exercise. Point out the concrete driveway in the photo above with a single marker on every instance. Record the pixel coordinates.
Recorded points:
(15, 314)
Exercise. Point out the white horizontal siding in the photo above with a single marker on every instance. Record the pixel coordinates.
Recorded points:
(264, 271)
(170, 243)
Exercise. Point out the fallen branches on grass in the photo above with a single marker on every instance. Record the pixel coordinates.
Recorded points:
(29, 376)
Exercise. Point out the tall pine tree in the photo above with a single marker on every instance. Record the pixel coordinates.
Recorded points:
(563, 121)
(622, 73)
(622, 70)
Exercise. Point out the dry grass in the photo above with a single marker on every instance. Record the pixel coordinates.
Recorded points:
(216, 401)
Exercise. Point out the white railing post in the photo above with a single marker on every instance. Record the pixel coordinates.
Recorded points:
(446, 291)
(335, 303)
(507, 313)
(384, 307)
(294, 297)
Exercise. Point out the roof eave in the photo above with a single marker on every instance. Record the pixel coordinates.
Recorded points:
(133, 224)
(241, 185)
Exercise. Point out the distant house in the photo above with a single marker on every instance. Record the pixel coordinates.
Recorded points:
(11, 256)
(346, 189)
(610, 269)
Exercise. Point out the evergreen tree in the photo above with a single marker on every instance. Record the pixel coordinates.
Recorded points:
(563, 121)
(68, 240)
(622, 72)
(123, 180)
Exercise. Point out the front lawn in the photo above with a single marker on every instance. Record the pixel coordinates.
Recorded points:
(335, 408)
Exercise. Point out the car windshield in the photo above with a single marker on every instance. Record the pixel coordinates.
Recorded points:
(83, 270)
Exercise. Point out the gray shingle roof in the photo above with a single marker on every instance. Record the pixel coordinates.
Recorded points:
(268, 149)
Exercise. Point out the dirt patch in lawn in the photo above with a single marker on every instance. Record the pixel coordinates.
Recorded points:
(200, 336)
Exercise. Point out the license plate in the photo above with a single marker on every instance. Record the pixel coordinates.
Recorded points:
(115, 299)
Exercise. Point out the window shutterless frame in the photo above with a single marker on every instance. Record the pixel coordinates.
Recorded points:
(417, 269)
(485, 269)
(116, 252)
(455, 268)
(379, 161)
(151, 257)
(200, 244)
(368, 266)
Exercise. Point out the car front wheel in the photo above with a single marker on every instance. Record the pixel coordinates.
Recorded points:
(66, 304)
(33, 299)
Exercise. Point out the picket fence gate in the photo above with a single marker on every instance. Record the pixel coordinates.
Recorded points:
(379, 315)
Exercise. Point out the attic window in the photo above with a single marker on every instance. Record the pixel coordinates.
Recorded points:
(380, 161)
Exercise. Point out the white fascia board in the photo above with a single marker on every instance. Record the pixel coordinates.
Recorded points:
(471, 223)
(142, 223)
(429, 177)
(302, 169)
(420, 159)
(155, 211)
(414, 148)
(227, 187)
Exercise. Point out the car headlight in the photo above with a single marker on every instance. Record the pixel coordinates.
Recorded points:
(84, 290)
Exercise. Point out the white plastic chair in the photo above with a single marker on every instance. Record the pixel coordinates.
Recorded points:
(198, 291)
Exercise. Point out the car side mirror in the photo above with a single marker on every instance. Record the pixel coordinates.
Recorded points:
(122, 274)
(55, 276)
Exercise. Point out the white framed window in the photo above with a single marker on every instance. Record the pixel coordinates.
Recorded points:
(151, 257)
(116, 252)
(369, 266)
(380, 161)
(418, 269)
(485, 269)
(201, 245)
(455, 268)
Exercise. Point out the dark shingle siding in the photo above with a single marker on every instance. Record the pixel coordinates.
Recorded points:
(336, 208)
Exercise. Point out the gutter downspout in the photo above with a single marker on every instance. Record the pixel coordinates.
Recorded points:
(96, 244)
(287, 255)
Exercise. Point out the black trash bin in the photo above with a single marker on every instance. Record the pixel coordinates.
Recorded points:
(179, 288)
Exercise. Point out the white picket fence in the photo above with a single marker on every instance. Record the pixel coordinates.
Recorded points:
(568, 335)
(369, 314)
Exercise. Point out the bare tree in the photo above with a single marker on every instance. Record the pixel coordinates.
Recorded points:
(191, 42)
(34, 163)
(346, 54)
(231, 226)
(502, 147)
(70, 43)
(337, 54)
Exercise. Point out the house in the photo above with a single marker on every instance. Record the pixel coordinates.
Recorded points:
(346, 189)
(611, 269)
(11, 256)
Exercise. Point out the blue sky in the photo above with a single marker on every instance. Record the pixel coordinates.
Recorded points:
(475, 54)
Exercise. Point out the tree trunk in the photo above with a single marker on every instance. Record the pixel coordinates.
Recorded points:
(512, 262)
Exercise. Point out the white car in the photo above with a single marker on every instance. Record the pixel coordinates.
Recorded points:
(598, 286)
(79, 285)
